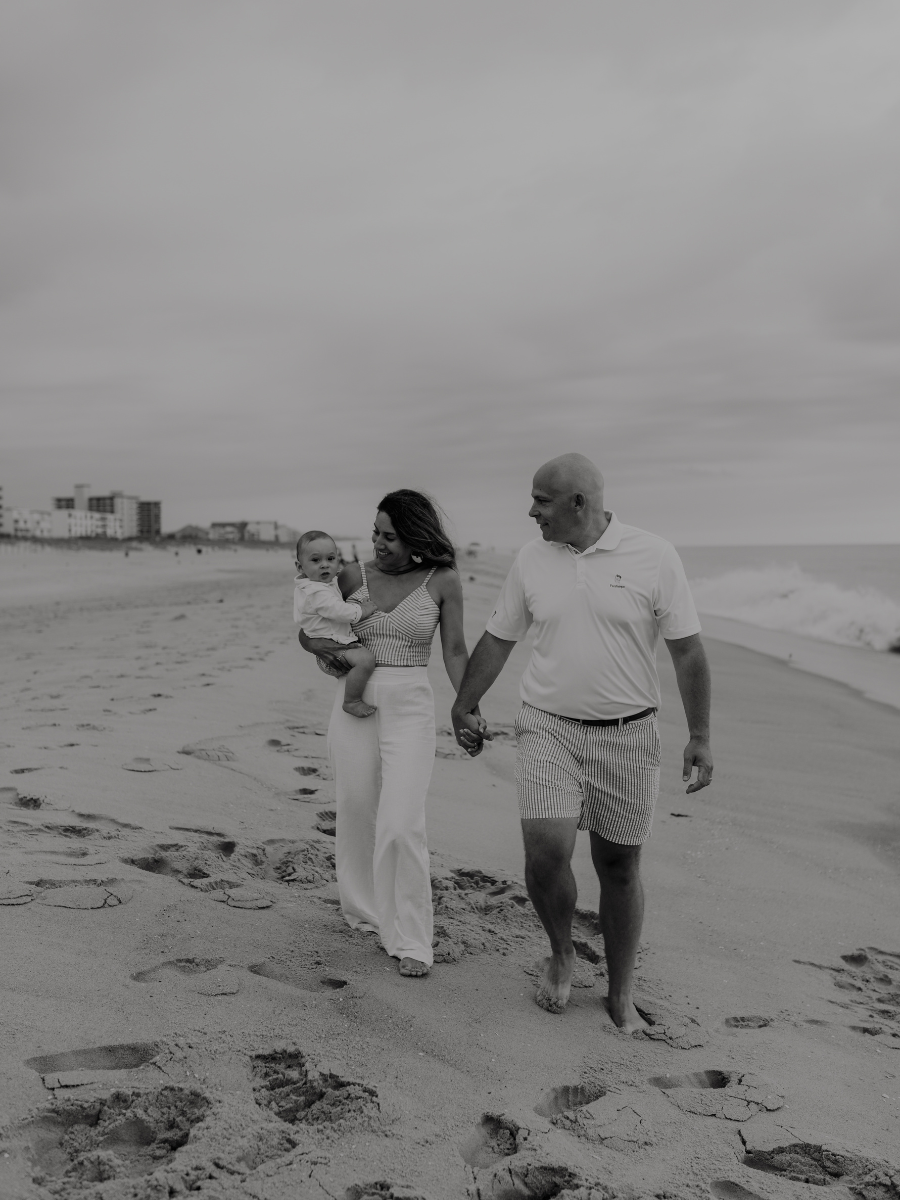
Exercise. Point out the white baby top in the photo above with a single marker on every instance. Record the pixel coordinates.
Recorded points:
(322, 612)
(597, 618)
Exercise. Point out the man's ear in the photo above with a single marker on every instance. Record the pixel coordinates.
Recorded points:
(578, 501)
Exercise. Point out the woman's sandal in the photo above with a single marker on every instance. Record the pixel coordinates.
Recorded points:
(412, 968)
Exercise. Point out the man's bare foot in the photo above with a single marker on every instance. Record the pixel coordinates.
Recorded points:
(553, 990)
(358, 708)
(625, 1015)
(411, 967)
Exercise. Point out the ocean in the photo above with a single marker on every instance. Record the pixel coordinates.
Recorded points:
(846, 595)
(830, 610)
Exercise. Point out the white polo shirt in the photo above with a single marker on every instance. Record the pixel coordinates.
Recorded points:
(597, 618)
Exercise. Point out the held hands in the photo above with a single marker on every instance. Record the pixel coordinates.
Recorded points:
(471, 731)
(697, 753)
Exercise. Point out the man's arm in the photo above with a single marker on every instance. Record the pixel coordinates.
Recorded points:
(692, 673)
(487, 661)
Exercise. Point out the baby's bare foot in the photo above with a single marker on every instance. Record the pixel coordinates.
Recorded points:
(358, 708)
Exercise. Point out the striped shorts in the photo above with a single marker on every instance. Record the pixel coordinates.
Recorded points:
(606, 776)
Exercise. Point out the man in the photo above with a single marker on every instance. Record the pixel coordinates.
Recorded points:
(598, 593)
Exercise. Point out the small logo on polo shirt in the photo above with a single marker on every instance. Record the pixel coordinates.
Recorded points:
(617, 582)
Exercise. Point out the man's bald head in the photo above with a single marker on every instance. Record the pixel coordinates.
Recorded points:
(571, 473)
(568, 501)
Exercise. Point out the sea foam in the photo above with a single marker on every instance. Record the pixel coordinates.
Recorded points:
(787, 599)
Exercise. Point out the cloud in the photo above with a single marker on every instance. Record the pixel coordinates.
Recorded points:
(280, 258)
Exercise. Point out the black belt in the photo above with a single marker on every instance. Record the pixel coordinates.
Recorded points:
(620, 721)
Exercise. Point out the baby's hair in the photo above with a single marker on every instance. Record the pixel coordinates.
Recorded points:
(311, 535)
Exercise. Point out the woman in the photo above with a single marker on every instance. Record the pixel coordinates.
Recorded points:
(382, 764)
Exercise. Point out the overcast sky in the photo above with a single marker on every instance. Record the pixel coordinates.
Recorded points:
(270, 260)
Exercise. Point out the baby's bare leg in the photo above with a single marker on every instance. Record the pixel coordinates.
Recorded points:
(362, 664)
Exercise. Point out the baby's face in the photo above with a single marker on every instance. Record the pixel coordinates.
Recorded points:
(320, 560)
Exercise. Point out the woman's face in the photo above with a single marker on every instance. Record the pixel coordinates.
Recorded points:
(389, 550)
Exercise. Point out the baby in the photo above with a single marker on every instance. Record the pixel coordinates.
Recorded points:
(326, 617)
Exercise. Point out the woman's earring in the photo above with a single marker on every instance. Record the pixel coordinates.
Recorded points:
(417, 558)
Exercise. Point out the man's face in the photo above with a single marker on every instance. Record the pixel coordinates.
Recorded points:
(554, 511)
(319, 560)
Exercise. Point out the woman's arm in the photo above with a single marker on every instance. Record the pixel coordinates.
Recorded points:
(453, 639)
(349, 579)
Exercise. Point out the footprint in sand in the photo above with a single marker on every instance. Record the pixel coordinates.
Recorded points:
(870, 984)
(307, 770)
(128, 1134)
(776, 1150)
(568, 1096)
(149, 765)
(83, 893)
(664, 1025)
(729, 1095)
(495, 1137)
(306, 981)
(725, 1189)
(103, 822)
(747, 1022)
(24, 770)
(214, 978)
(180, 966)
(233, 893)
(381, 1189)
(286, 1083)
(202, 862)
(528, 1177)
(216, 754)
(326, 822)
(620, 1120)
(307, 864)
(75, 1068)
(11, 795)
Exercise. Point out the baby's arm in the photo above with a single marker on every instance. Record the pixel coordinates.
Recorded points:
(323, 601)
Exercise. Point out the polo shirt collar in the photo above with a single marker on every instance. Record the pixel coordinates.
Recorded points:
(608, 540)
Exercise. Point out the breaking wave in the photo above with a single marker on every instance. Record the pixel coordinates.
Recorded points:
(789, 600)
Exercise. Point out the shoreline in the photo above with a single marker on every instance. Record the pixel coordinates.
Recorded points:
(875, 674)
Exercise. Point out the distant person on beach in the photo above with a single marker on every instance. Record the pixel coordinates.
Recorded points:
(382, 767)
(598, 593)
(325, 617)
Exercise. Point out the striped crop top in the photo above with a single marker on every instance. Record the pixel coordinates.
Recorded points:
(403, 636)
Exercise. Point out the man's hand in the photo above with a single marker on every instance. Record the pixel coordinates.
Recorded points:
(471, 731)
(697, 754)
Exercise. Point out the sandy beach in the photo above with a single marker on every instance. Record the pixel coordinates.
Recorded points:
(184, 1011)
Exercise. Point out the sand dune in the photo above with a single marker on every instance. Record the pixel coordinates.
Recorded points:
(184, 1011)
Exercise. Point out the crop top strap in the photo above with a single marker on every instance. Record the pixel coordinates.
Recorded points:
(365, 581)
(428, 576)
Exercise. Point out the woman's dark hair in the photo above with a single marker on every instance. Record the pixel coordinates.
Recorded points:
(417, 523)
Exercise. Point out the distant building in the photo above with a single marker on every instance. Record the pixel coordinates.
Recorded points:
(285, 535)
(190, 533)
(123, 506)
(149, 520)
(227, 531)
(76, 523)
(27, 522)
(261, 531)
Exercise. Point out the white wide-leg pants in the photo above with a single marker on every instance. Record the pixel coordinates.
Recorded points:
(382, 768)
